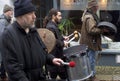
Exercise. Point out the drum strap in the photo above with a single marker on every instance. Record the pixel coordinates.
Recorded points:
(45, 50)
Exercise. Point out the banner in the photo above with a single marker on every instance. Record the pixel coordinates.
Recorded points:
(82, 4)
(73, 4)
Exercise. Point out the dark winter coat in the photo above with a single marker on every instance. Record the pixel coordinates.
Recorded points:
(90, 33)
(24, 54)
(58, 50)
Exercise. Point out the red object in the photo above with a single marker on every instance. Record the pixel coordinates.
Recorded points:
(72, 64)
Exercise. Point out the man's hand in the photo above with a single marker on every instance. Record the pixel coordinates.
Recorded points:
(105, 30)
(57, 61)
(66, 44)
(66, 38)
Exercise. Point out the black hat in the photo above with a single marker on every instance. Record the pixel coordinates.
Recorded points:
(22, 7)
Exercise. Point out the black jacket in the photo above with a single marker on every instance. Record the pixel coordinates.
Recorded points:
(58, 50)
(24, 54)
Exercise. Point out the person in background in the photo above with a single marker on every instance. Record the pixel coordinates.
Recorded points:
(5, 20)
(6, 17)
(91, 34)
(51, 22)
(24, 54)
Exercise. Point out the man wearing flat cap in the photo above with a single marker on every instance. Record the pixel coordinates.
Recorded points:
(91, 34)
(24, 54)
(5, 20)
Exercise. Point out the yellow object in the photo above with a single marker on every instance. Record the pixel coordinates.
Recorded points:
(76, 35)
(75, 32)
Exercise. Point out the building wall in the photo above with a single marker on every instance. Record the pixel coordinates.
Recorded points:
(43, 7)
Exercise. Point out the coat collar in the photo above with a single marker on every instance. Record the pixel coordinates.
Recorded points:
(16, 25)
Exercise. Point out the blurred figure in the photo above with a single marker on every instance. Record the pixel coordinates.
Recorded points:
(91, 34)
(6, 17)
(117, 35)
(24, 54)
(5, 20)
(51, 22)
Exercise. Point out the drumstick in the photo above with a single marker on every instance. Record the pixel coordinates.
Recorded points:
(75, 32)
(75, 36)
(71, 64)
(70, 35)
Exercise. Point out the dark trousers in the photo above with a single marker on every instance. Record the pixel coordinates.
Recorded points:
(57, 70)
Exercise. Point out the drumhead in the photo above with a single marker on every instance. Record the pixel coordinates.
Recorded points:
(109, 26)
(48, 38)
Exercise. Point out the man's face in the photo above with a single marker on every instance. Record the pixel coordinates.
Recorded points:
(95, 8)
(10, 14)
(29, 19)
(58, 17)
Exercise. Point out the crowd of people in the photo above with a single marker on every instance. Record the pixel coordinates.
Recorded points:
(23, 53)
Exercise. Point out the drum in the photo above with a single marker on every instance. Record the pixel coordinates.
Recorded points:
(112, 29)
(48, 38)
(82, 70)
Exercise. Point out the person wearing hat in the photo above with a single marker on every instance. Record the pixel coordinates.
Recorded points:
(91, 34)
(5, 20)
(24, 53)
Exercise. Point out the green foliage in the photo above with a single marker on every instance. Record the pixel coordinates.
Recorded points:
(66, 25)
